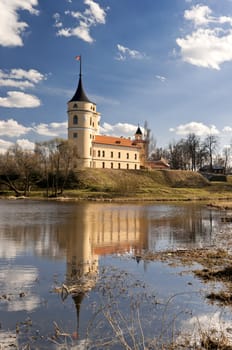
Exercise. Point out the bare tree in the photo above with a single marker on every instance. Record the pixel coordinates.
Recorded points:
(179, 158)
(210, 144)
(192, 147)
(58, 157)
(19, 170)
(226, 153)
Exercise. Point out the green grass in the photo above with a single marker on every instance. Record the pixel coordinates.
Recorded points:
(145, 185)
(149, 185)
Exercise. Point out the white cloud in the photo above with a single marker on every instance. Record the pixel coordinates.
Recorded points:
(207, 47)
(227, 129)
(12, 128)
(21, 78)
(52, 129)
(211, 324)
(161, 78)
(125, 52)
(17, 99)
(31, 75)
(58, 23)
(94, 14)
(4, 146)
(119, 129)
(201, 15)
(11, 28)
(26, 145)
(199, 129)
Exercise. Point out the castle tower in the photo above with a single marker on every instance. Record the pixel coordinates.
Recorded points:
(83, 123)
(138, 140)
(138, 134)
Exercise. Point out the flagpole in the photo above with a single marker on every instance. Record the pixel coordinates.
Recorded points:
(78, 58)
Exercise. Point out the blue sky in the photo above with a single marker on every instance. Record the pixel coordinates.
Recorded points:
(167, 62)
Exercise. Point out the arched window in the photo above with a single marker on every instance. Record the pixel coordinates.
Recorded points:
(127, 166)
(112, 165)
(103, 165)
(75, 105)
(119, 166)
(75, 119)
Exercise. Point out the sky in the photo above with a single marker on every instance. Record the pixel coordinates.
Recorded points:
(166, 62)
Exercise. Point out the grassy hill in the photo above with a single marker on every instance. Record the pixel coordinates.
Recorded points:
(148, 185)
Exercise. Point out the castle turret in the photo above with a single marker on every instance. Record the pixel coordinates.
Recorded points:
(138, 134)
(83, 123)
(139, 140)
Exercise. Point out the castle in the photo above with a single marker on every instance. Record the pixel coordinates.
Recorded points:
(101, 151)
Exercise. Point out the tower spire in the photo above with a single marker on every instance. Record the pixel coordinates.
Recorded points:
(80, 94)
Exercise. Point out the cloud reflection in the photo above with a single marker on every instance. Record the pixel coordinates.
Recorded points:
(15, 281)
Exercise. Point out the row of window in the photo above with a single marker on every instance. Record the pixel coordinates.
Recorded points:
(93, 108)
(75, 121)
(119, 166)
(102, 154)
(75, 135)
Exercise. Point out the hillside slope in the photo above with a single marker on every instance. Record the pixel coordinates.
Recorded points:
(148, 185)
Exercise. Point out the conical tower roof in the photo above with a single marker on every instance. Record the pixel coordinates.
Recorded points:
(138, 131)
(80, 94)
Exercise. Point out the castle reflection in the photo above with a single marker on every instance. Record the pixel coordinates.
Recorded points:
(97, 230)
(100, 229)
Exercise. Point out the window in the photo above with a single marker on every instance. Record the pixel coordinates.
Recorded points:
(103, 165)
(90, 121)
(99, 153)
(127, 166)
(103, 153)
(112, 154)
(75, 135)
(135, 156)
(75, 119)
(135, 166)
(90, 151)
(119, 154)
(119, 165)
(127, 156)
(90, 136)
(112, 165)
(75, 105)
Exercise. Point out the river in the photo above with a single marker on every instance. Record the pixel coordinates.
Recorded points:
(94, 250)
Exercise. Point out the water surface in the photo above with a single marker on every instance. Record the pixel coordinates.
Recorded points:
(44, 245)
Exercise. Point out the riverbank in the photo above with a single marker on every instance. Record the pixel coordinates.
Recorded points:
(140, 185)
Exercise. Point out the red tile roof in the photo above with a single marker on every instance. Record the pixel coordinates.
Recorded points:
(111, 140)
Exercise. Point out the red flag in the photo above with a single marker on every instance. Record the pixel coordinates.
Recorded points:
(78, 58)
